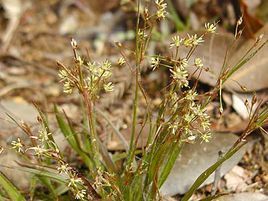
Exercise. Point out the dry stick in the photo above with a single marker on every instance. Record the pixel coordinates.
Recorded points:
(117, 132)
(5, 90)
(9, 33)
(217, 176)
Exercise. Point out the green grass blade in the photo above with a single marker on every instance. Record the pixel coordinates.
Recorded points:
(209, 171)
(47, 182)
(175, 17)
(10, 189)
(174, 152)
(43, 172)
(61, 189)
(69, 134)
(66, 130)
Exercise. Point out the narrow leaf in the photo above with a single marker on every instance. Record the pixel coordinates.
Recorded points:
(11, 190)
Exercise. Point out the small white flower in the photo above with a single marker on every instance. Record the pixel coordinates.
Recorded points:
(183, 63)
(73, 43)
(205, 124)
(121, 61)
(44, 135)
(191, 95)
(173, 128)
(75, 182)
(211, 28)
(155, 62)
(63, 74)
(39, 151)
(106, 65)
(108, 87)
(79, 60)
(80, 195)
(198, 63)
(142, 34)
(189, 117)
(17, 145)
(161, 9)
(193, 40)
(64, 168)
(191, 138)
(67, 87)
(206, 137)
(176, 41)
(180, 75)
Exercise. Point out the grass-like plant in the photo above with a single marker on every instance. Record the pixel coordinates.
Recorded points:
(181, 118)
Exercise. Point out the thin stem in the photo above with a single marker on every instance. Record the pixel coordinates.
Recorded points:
(136, 95)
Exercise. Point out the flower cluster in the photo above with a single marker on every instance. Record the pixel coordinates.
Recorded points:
(98, 74)
(68, 83)
(103, 180)
(161, 9)
(190, 41)
(199, 120)
(193, 40)
(188, 116)
(45, 148)
(76, 185)
(180, 75)
(90, 76)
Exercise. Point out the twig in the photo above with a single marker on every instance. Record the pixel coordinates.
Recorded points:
(117, 132)
(217, 176)
(14, 86)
